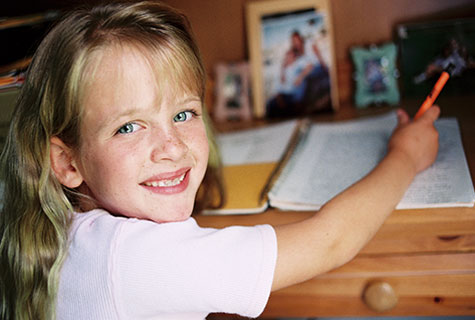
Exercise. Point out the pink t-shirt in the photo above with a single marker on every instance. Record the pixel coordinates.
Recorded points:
(123, 268)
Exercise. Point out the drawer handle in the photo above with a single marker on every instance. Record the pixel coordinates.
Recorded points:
(380, 296)
(448, 238)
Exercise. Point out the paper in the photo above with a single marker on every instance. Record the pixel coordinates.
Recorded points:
(260, 145)
(249, 156)
(334, 156)
(447, 182)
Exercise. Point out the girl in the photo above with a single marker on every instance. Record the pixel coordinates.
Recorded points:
(106, 153)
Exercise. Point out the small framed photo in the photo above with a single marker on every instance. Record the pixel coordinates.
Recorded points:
(232, 92)
(427, 48)
(375, 75)
(292, 57)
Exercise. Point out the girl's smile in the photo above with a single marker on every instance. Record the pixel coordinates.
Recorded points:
(144, 149)
(168, 183)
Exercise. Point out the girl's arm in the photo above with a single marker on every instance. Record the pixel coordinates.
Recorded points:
(338, 231)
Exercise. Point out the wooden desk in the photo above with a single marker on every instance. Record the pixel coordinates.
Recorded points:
(426, 256)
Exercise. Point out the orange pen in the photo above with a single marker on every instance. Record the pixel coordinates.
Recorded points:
(429, 101)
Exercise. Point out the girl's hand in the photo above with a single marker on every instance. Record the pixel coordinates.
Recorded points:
(416, 140)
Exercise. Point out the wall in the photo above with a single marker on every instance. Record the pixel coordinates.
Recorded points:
(219, 26)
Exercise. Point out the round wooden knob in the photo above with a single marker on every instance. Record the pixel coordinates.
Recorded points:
(380, 296)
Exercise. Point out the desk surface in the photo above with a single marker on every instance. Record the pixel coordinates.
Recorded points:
(426, 255)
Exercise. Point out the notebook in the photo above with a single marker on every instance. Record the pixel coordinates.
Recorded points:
(329, 157)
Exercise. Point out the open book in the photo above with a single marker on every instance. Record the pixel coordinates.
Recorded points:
(332, 156)
(249, 158)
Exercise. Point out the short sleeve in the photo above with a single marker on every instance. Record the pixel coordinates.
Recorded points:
(182, 268)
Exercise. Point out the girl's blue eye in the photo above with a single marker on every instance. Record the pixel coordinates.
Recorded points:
(183, 116)
(128, 128)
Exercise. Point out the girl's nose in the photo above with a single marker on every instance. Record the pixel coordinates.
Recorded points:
(168, 145)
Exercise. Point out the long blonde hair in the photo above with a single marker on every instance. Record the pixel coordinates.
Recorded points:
(36, 213)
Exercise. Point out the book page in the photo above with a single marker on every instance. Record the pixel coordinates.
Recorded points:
(249, 156)
(334, 156)
(447, 182)
(260, 145)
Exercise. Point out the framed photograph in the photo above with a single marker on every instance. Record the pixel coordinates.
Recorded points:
(232, 92)
(427, 48)
(375, 75)
(291, 57)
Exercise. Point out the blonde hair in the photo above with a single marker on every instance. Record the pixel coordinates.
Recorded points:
(36, 213)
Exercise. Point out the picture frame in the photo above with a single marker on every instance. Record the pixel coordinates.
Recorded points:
(232, 92)
(285, 38)
(376, 75)
(429, 47)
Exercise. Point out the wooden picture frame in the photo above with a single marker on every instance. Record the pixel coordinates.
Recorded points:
(232, 92)
(272, 29)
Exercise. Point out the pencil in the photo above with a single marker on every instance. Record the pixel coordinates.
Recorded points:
(429, 101)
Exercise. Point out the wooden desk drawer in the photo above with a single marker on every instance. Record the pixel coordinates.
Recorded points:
(417, 295)
(423, 284)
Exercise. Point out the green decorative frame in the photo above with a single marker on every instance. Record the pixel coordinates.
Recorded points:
(376, 75)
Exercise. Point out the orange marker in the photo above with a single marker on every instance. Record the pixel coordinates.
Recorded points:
(429, 101)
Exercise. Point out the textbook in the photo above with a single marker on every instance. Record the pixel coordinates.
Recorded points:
(329, 157)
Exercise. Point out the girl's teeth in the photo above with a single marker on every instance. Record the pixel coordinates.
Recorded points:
(166, 183)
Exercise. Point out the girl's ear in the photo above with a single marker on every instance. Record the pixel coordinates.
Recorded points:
(63, 164)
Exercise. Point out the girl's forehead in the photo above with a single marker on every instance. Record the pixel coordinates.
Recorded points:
(126, 83)
(117, 62)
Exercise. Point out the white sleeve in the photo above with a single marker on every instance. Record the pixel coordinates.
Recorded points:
(180, 267)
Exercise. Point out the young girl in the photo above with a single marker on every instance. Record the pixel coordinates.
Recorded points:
(106, 154)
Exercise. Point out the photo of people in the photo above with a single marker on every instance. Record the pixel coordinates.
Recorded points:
(375, 74)
(454, 56)
(427, 49)
(296, 58)
(232, 92)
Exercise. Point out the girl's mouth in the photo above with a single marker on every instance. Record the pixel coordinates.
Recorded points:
(166, 183)
(175, 183)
